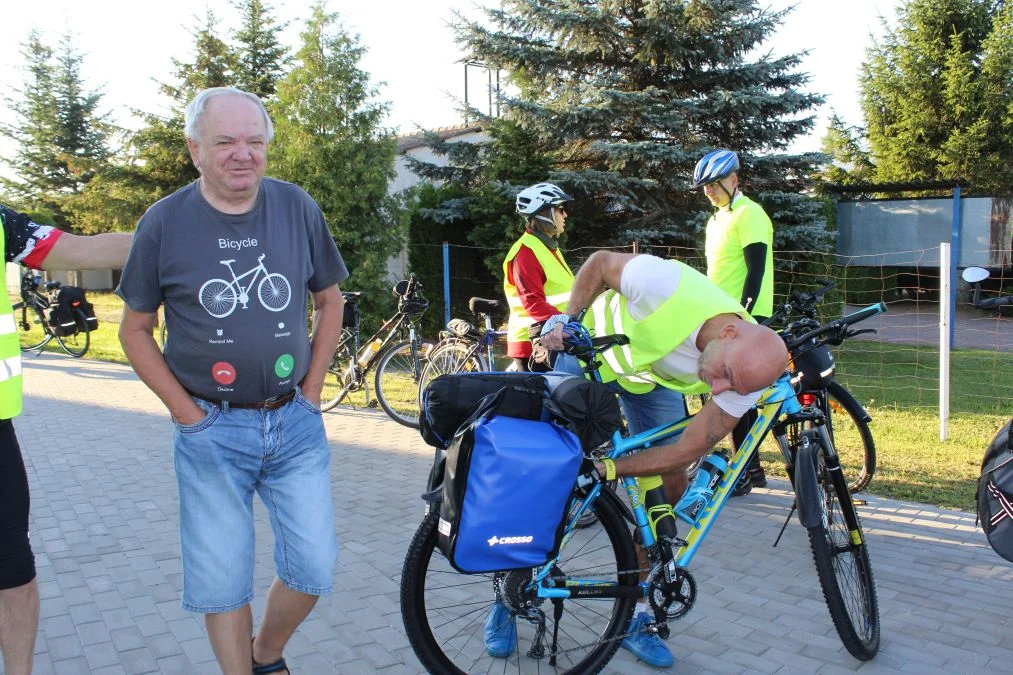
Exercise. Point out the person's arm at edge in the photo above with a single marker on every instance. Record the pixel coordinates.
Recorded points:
(755, 256)
(328, 311)
(529, 278)
(705, 431)
(142, 351)
(97, 251)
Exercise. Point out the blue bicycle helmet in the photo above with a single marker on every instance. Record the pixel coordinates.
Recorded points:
(714, 166)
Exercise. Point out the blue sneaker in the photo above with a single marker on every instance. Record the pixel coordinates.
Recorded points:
(500, 632)
(647, 647)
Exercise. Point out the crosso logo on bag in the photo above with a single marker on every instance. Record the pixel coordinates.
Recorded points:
(510, 540)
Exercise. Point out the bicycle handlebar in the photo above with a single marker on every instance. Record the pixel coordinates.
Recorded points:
(1001, 301)
(803, 302)
(837, 325)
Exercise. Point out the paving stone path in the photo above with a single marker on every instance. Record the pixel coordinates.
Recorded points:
(104, 510)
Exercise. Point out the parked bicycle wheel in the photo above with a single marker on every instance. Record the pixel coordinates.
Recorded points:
(851, 436)
(450, 356)
(397, 384)
(842, 559)
(338, 379)
(32, 329)
(444, 611)
(77, 344)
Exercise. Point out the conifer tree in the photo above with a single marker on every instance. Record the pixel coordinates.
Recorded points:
(626, 95)
(937, 95)
(261, 57)
(330, 140)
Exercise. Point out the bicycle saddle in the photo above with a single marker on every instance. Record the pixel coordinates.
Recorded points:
(351, 297)
(483, 306)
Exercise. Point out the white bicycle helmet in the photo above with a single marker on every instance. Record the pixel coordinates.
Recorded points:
(533, 199)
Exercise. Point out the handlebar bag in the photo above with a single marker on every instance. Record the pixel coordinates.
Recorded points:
(450, 400)
(505, 493)
(995, 493)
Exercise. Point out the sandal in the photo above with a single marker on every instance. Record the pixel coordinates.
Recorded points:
(278, 666)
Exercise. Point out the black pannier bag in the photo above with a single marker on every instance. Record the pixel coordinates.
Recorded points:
(450, 399)
(587, 408)
(64, 321)
(995, 493)
(506, 491)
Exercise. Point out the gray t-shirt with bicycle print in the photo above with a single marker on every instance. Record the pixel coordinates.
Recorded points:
(235, 287)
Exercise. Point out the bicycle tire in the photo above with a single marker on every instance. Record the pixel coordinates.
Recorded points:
(72, 344)
(472, 595)
(842, 565)
(449, 356)
(397, 384)
(337, 373)
(847, 430)
(35, 343)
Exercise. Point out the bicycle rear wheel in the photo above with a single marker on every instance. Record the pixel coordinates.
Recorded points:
(852, 438)
(397, 383)
(444, 611)
(842, 559)
(337, 380)
(450, 356)
(77, 344)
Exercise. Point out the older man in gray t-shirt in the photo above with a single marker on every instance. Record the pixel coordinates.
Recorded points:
(234, 258)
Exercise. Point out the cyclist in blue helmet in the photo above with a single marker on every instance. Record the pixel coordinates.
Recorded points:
(739, 246)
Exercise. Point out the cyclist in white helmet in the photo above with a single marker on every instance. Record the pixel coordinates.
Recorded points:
(536, 278)
(740, 261)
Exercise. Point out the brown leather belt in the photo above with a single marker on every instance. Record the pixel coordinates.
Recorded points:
(272, 403)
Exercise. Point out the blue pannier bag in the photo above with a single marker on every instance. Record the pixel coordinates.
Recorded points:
(506, 491)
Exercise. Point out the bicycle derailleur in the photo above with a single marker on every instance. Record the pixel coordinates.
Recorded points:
(515, 590)
(672, 593)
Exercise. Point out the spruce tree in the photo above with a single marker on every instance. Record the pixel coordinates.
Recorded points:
(330, 140)
(261, 57)
(628, 94)
(936, 95)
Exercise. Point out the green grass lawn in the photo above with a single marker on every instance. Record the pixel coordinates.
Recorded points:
(897, 383)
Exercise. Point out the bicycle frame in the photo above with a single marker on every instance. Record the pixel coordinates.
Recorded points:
(778, 402)
(244, 293)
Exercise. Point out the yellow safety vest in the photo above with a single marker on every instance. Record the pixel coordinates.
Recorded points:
(728, 232)
(558, 282)
(695, 301)
(10, 356)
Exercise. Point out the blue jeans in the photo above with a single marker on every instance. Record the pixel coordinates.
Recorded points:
(643, 411)
(220, 462)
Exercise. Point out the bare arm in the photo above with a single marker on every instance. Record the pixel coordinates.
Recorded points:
(143, 354)
(99, 251)
(328, 310)
(705, 431)
(603, 269)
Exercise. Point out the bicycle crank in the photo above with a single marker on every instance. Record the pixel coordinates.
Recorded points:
(671, 599)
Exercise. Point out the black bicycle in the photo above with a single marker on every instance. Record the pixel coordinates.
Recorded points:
(36, 326)
(974, 276)
(813, 367)
(395, 351)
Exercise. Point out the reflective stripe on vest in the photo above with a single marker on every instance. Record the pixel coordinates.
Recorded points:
(695, 301)
(10, 356)
(558, 282)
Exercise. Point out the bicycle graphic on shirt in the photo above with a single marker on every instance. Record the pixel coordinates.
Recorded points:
(220, 297)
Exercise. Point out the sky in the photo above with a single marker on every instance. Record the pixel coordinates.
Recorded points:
(128, 47)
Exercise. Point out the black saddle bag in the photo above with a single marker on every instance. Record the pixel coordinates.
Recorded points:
(995, 493)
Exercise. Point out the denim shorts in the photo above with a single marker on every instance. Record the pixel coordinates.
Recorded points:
(643, 411)
(220, 462)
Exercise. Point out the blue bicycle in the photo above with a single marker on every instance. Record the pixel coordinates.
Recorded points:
(572, 612)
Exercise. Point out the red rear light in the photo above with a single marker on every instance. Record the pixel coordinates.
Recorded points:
(807, 399)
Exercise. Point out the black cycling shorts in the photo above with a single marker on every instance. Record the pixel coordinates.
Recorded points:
(17, 564)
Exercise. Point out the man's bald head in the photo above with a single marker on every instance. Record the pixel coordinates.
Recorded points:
(741, 356)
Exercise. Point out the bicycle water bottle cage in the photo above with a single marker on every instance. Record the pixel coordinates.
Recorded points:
(462, 329)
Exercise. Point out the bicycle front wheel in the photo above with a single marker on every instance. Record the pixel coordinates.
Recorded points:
(77, 344)
(852, 438)
(32, 331)
(445, 611)
(397, 383)
(842, 560)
